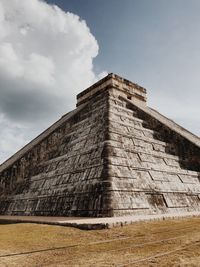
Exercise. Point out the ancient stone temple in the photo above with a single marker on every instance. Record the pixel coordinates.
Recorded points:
(112, 155)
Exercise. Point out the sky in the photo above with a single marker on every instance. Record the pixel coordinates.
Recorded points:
(51, 50)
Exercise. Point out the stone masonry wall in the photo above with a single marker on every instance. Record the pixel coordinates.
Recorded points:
(111, 157)
(153, 169)
(63, 175)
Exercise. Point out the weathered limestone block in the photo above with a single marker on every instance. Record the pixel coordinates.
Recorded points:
(111, 156)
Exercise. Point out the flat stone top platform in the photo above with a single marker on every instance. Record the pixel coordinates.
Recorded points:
(93, 223)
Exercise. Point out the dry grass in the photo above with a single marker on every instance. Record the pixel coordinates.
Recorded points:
(159, 243)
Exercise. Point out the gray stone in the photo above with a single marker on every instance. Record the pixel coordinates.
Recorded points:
(111, 156)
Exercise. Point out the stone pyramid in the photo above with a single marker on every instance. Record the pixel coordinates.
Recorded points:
(111, 156)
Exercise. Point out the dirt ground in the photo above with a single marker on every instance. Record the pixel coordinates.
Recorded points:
(158, 243)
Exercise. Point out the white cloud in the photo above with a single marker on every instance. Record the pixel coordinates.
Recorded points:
(46, 58)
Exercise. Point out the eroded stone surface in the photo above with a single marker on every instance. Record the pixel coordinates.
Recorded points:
(111, 156)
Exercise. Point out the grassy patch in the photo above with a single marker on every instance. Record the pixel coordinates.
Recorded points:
(137, 244)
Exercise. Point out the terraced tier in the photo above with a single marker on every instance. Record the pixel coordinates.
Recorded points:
(111, 156)
(149, 173)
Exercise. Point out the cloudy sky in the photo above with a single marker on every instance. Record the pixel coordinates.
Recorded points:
(51, 50)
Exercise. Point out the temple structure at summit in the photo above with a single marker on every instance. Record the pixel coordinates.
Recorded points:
(111, 156)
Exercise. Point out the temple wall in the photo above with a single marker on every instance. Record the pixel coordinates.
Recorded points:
(153, 169)
(111, 156)
(63, 175)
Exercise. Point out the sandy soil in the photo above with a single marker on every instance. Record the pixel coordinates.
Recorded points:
(157, 243)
